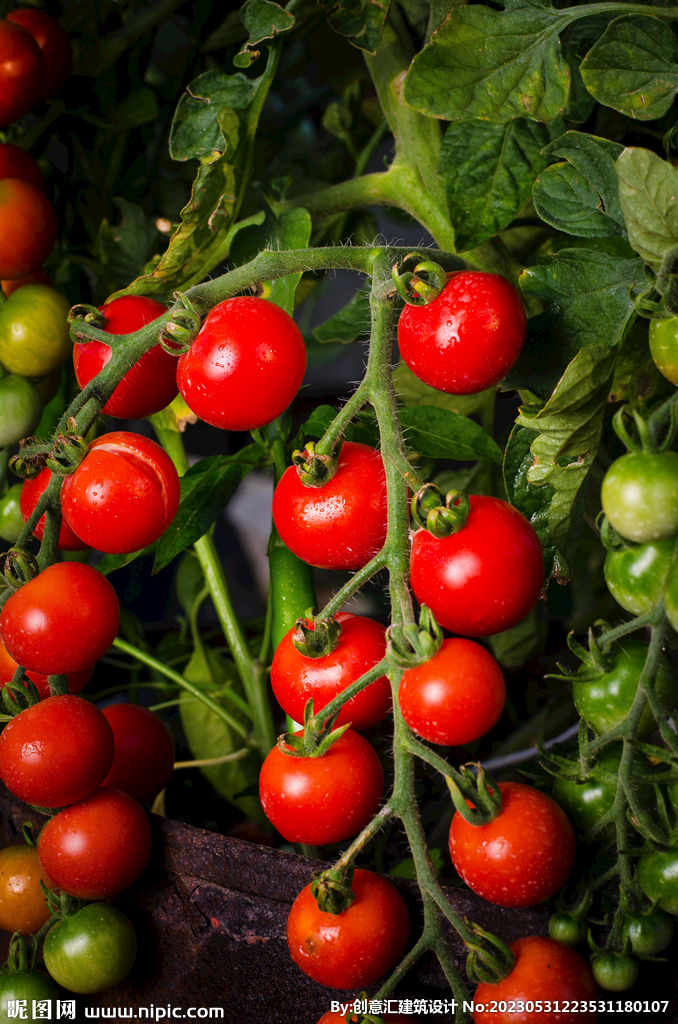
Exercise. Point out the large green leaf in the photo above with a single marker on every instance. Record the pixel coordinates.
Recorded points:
(361, 23)
(648, 187)
(488, 171)
(263, 20)
(632, 67)
(291, 230)
(581, 197)
(441, 434)
(494, 65)
(203, 121)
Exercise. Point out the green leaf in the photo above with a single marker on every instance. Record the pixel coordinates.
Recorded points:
(124, 249)
(109, 563)
(494, 65)
(206, 490)
(441, 434)
(647, 191)
(412, 391)
(632, 68)
(291, 230)
(361, 23)
(140, 107)
(318, 422)
(581, 197)
(514, 646)
(350, 323)
(263, 20)
(488, 171)
(203, 120)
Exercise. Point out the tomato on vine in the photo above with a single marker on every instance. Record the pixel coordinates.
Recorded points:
(658, 878)
(640, 495)
(31, 492)
(28, 224)
(34, 338)
(245, 366)
(356, 947)
(92, 950)
(342, 524)
(22, 72)
(17, 163)
(54, 44)
(144, 751)
(23, 907)
(587, 801)
(20, 408)
(520, 858)
(648, 934)
(296, 679)
(614, 972)
(29, 985)
(664, 346)
(123, 495)
(486, 577)
(469, 337)
(456, 696)
(151, 384)
(636, 576)
(320, 800)
(8, 666)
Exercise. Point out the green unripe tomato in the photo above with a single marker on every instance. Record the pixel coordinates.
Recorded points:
(605, 701)
(34, 336)
(664, 346)
(567, 929)
(28, 985)
(91, 951)
(20, 409)
(11, 520)
(640, 495)
(586, 802)
(636, 576)
(670, 594)
(648, 934)
(614, 972)
(658, 878)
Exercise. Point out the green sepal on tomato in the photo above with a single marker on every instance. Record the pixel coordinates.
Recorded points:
(636, 575)
(91, 951)
(34, 337)
(605, 699)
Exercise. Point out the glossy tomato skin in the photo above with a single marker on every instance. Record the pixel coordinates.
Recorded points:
(520, 858)
(20, 408)
(342, 524)
(151, 384)
(56, 752)
(614, 972)
(23, 907)
(586, 802)
(245, 366)
(664, 346)
(28, 227)
(11, 521)
(8, 666)
(544, 970)
(91, 951)
(640, 495)
(123, 495)
(469, 337)
(31, 492)
(354, 948)
(658, 878)
(96, 848)
(34, 338)
(483, 579)
(17, 163)
(22, 72)
(296, 679)
(54, 44)
(648, 934)
(605, 701)
(144, 751)
(28, 985)
(636, 576)
(62, 621)
(456, 696)
(319, 800)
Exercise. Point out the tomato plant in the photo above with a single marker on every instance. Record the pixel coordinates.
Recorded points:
(54, 44)
(34, 337)
(29, 227)
(22, 902)
(91, 951)
(8, 666)
(520, 858)
(123, 495)
(640, 495)
(97, 847)
(356, 947)
(143, 756)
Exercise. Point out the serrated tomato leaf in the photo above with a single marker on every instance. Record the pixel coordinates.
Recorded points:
(648, 187)
(441, 434)
(263, 19)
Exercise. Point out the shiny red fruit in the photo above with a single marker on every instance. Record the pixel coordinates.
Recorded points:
(17, 163)
(22, 72)
(144, 751)
(8, 666)
(54, 44)
(31, 491)
(28, 227)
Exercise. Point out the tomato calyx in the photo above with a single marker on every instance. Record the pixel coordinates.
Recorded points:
(313, 468)
(474, 795)
(89, 315)
(421, 285)
(415, 644)
(438, 514)
(22, 954)
(20, 693)
(179, 331)
(17, 566)
(648, 441)
(332, 889)
(316, 639)
(315, 740)
(60, 904)
(593, 661)
(489, 959)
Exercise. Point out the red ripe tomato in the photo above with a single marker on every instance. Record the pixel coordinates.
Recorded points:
(62, 621)
(54, 44)
(8, 666)
(295, 678)
(17, 163)
(245, 366)
(522, 857)
(356, 947)
(28, 226)
(319, 800)
(31, 492)
(38, 276)
(483, 579)
(544, 970)
(342, 524)
(56, 752)
(22, 72)
(151, 384)
(96, 848)
(469, 337)
(144, 751)
(123, 495)
(454, 698)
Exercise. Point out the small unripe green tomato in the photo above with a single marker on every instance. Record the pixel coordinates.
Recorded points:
(640, 495)
(565, 928)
